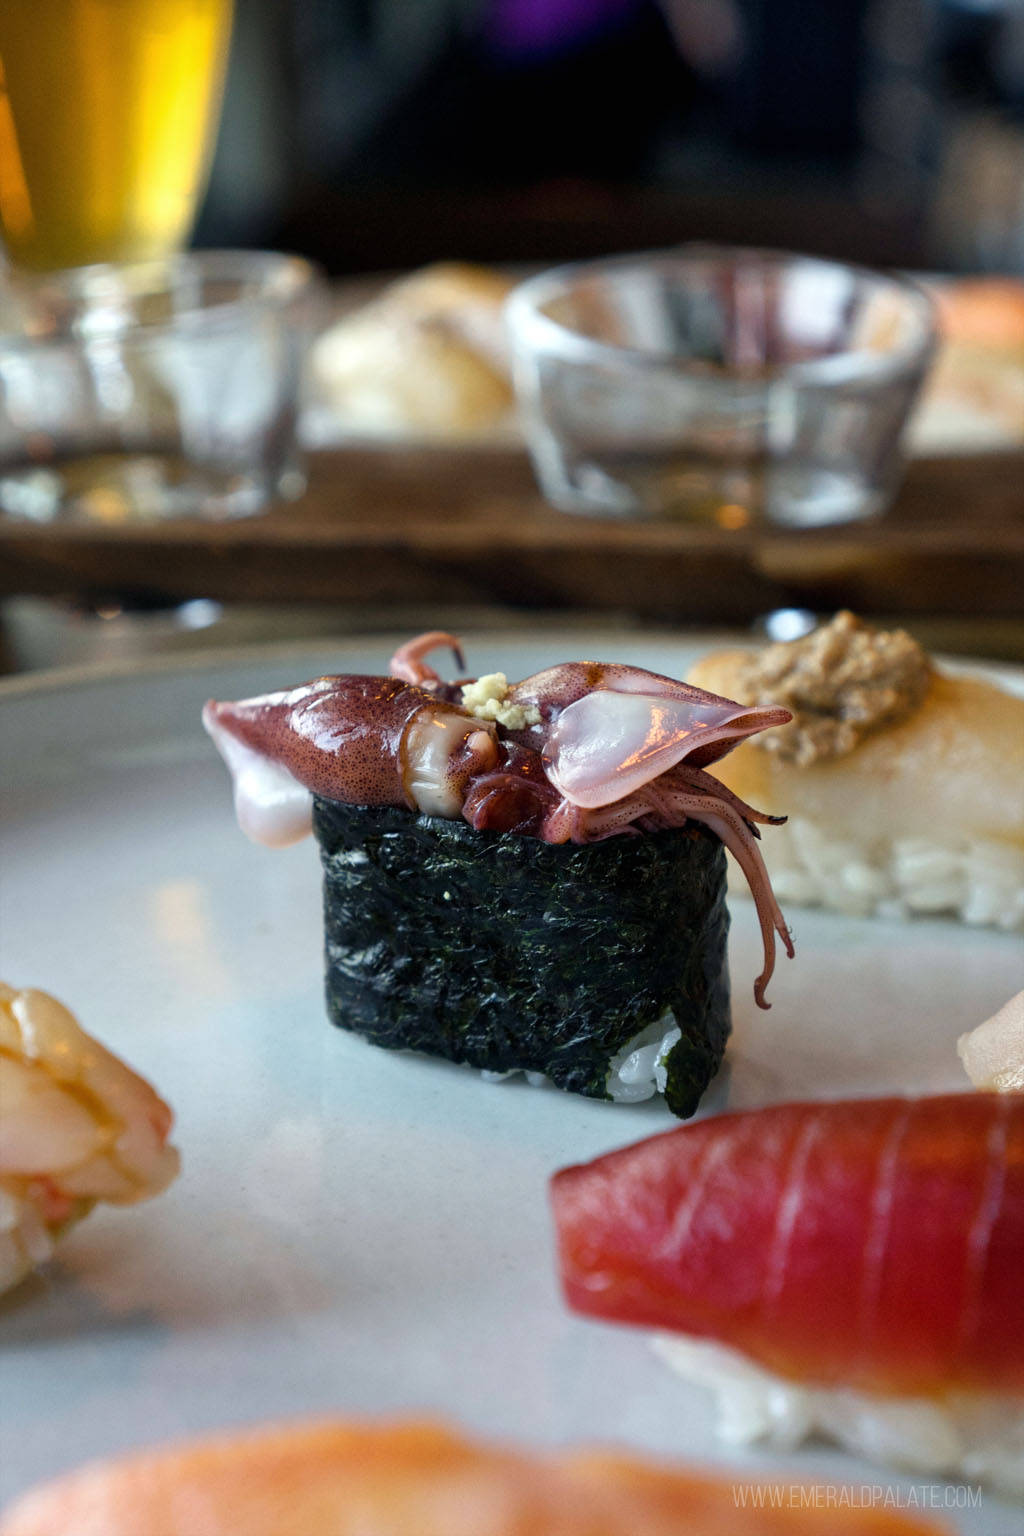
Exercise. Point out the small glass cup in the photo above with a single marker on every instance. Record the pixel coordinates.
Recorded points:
(134, 393)
(718, 386)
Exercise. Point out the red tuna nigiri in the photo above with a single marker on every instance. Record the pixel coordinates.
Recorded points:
(873, 1244)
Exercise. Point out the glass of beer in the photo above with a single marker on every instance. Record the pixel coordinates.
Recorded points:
(108, 110)
(137, 381)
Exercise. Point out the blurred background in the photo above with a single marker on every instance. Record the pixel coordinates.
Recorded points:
(381, 134)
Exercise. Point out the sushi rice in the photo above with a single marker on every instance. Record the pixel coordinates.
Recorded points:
(979, 1439)
(637, 1072)
(981, 883)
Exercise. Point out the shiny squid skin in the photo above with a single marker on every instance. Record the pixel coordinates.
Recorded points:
(873, 1244)
(554, 689)
(342, 737)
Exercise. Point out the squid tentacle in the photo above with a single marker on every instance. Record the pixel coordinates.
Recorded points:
(574, 823)
(737, 835)
(669, 805)
(684, 775)
(408, 664)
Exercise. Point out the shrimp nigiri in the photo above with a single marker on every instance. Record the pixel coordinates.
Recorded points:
(78, 1126)
(339, 1478)
(856, 1267)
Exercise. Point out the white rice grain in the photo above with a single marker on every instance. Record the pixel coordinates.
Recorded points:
(638, 1071)
(635, 1073)
(979, 882)
(980, 1439)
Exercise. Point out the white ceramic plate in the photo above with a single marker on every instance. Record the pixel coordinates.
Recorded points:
(357, 1231)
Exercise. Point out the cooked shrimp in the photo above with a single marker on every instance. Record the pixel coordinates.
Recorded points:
(78, 1126)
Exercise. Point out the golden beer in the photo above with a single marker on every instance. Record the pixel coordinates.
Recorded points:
(107, 115)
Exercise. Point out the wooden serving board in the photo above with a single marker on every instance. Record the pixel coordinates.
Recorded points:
(455, 526)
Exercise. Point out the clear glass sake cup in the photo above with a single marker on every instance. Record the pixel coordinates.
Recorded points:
(171, 388)
(719, 386)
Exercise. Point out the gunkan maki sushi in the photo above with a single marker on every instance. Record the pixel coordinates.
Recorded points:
(525, 877)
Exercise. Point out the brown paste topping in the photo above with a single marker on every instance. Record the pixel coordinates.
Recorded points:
(840, 683)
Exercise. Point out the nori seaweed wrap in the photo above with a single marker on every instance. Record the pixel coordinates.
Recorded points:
(506, 952)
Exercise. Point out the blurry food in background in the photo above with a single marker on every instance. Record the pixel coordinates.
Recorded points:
(107, 117)
(993, 1054)
(974, 397)
(426, 357)
(872, 712)
(346, 1478)
(78, 1127)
